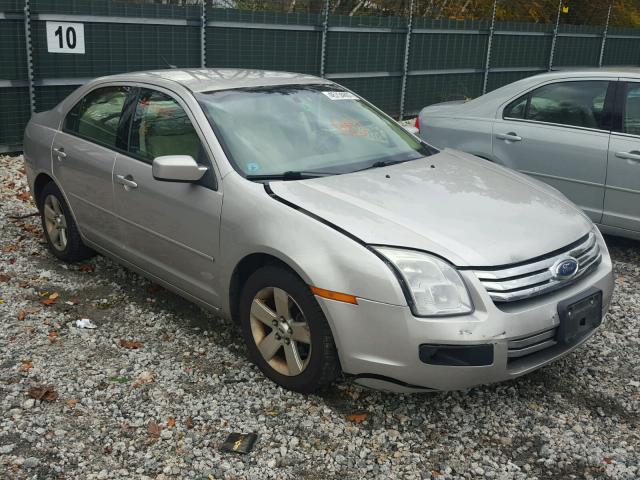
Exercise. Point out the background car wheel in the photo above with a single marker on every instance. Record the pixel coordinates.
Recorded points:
(286, 333)
(61, 232)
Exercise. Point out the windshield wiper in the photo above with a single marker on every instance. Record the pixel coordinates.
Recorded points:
(291, 175)
(384, 163)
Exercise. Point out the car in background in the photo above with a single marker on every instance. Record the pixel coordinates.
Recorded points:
(337, 240)
(578, 131)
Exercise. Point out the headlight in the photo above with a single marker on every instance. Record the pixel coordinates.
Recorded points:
(436, 288)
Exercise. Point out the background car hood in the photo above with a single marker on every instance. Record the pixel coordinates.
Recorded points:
(468, 210)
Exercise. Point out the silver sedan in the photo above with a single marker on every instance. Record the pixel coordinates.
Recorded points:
(578, 131)
(337, 240)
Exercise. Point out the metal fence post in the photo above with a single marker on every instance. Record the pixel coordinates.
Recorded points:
(27, 38)
(405, 66)
(203, 35)
(323, 44)
(489, 43)
(555, 36)
(604, 37)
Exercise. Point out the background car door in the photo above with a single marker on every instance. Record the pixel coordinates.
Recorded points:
(622, 196)
(559, 133)
(83, 157)
(170, 229)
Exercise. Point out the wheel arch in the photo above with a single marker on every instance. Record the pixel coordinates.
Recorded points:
(245, 268)
(41, 180)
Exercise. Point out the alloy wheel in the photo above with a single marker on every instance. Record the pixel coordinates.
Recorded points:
(55, 223)
(280, 331)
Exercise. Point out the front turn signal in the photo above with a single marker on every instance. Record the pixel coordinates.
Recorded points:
(331, 295)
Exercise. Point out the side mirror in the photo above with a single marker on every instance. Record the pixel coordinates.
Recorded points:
(411, 129)
(177, 168)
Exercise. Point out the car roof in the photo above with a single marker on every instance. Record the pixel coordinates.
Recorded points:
(211, 79)
(591, 72)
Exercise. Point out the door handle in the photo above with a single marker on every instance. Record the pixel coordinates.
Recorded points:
(60, 153)
(126, 181)
(511, 137)
(632, 155)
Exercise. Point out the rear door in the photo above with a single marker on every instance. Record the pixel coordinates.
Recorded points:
(559, 133)
(83, 157)
(622, 196)
(170, 229)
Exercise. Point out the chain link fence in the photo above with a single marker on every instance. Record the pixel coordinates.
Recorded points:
(399, 54)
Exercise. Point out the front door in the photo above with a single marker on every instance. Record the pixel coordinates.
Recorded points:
(559, 133)
(169, 229)
(622, 196)
(83, 155)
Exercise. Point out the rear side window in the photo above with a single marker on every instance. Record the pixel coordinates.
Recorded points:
(97, 115)
(162, 127)
(579, 104)
(631, 116)
(517, 108)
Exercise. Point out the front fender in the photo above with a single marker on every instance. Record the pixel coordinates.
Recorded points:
(255, 222)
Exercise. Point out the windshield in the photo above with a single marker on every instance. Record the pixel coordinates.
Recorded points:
(321, 129)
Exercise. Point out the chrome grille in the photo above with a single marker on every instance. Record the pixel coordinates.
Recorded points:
(526, 280)
(531, 344)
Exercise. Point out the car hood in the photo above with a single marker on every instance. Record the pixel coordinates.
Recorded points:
(467, 210)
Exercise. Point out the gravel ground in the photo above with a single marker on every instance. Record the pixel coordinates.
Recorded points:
(107, 409)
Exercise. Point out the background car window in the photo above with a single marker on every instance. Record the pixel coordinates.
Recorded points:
(161, 127)
(97, 115)
(579, 104)
(631, 118)
(517, 108)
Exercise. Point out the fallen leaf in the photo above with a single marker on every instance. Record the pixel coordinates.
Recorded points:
(21, 315)
(43, 393)
(357, 417)
(154, 429)
(153, 289)
(189, 423)
(144, 378)
(4, 278)
(130, 344)
(25, 366)
(24, 285)
(9, 249)
(24, 196)
(47, 301)
(607, 460)
(71, 403)
(171, 422)
(52, 335)
(54, 296)
(119, 379)
(86, 267)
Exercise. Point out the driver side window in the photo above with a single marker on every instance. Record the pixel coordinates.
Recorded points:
(162, 127)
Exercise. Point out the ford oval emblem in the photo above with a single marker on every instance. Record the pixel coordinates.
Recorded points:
(564, 268)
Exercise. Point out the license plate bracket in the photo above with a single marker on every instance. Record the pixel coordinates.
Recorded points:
(579, 315)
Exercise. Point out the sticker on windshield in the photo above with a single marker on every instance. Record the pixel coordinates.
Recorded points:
(341, 95)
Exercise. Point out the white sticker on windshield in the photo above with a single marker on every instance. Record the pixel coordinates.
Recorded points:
(341, 95)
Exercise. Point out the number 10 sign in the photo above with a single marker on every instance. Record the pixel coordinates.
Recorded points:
(65, 37)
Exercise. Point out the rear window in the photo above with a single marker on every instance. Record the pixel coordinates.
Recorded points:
(575, 103)
(97, 115)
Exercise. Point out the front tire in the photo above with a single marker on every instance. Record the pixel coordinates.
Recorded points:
(286, 332)
(60, 230)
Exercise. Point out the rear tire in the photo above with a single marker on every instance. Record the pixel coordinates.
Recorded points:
(60, 230)
(286, 332)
